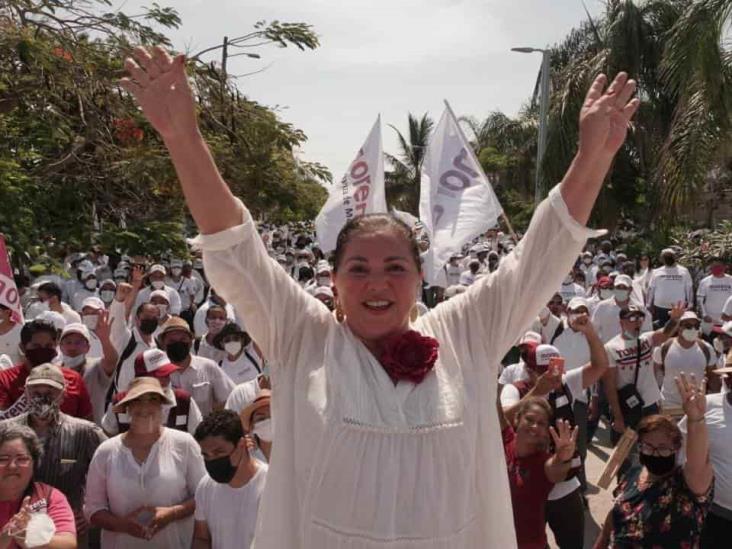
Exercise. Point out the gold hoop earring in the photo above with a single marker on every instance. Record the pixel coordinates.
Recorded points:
(340, 316)
(413, 313)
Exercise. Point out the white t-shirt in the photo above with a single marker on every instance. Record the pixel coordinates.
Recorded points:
(547, 330)
(718, 418)
(622, 355)
(230, 513)
(467, 278)
(187, 289)
(205, 381)
(572, 380)
(243, 395)
(678, 359)
(97, 384)
(727, 309)
(453, 273)
(9, 343)
(574, 348)
(606, 320)
(206, 350)
(713, 294)
(513, 373)
(169, 476)
(242, 369)
(669, 285)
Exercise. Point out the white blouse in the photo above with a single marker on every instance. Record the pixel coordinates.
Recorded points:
(118, 483)
(358, 462)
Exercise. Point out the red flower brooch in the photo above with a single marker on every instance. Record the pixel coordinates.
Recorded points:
(409, 356)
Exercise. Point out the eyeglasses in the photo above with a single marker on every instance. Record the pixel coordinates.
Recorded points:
(650, 449)
(20, 461)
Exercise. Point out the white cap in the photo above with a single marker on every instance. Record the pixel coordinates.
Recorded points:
(576, 303)
(530, 337)
(93, 302)
(86, 274)
(323, 269)
(544, 353)
(160, 293)
(725, 328)
(623, 280)
(176, 263)
(76, 328)
(689, 315)
(157, 268)
(52, 317)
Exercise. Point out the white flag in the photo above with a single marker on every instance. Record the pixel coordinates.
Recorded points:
(456, 201)
(361, 191)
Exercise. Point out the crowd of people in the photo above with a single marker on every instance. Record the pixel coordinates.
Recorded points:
(138, 407)
(335, 401)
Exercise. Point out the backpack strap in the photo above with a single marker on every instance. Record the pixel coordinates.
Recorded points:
(196, 345)
(557, 333)
(113, 387)
(705, 350)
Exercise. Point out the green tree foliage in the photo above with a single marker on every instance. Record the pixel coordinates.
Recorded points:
(403, 180)
(79, 162)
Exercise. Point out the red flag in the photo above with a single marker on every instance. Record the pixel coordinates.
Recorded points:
(8, 291)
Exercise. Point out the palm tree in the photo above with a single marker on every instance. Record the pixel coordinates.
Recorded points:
(674, 49)
(403, 180)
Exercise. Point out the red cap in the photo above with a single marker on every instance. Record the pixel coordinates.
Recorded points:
(605, 282)
(154, 363)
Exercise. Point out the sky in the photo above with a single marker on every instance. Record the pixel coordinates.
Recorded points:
(387, 57)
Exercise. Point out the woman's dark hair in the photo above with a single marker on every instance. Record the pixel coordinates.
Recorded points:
(214, 308)
(371, 223)
(9, 432)
(658, 422)
(221, 423)
(34, 327)
(50, 288)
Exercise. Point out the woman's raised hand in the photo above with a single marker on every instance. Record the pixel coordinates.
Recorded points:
(605, 115)
(161, 88)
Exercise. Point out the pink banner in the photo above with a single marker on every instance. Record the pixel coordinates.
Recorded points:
(8, 291)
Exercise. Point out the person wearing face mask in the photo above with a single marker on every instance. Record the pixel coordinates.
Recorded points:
(187, 288)
(183, 414)
(159, 299)
(518, 371)
(549, 321)
(227, 498)
(322, 278)
(216, 319)
(156, 281)
(200, 323)
(643, 272)
(669, 284)
(324, 294)
(49, 295)
(202, 378)
(129, 340)
(90, 289)
(722, 344)
(9, 335)
(97, 372)
(713, 292)
(107, 290)
(684, 353)
(38, 342)
(141, 483)
(242, 362)
(453, 270)
(659, 503)
(68, 442)
(91, 310)
(718, 420)
(256, 419)
(630, 383)
(605, 316)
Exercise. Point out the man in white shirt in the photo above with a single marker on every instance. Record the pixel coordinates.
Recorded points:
(718, 419)
(589, 268)
(468, 277)
(227, 498)
(570, 289)
(187, 288)
(518, 370)
(89, 280)
(202, 378)
(50, 295)
(630, 352)
(712, 294)
(549, 320)
(156, 277)
(241, 361)
(453, 271)
(669, 285)
(605, 317)
(684, 353)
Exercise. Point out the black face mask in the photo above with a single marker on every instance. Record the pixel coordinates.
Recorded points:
(658, 465)
(178, 350)
(220, 469)
(148, 325)
(40, 356)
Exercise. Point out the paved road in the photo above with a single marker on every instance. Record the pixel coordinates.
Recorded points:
(600, 500)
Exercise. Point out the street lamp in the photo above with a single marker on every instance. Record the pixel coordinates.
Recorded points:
(543, 115)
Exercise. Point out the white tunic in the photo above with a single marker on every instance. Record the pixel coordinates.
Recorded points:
(169, 476)
(359, 463)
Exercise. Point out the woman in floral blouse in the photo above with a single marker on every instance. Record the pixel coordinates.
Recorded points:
(660, 504)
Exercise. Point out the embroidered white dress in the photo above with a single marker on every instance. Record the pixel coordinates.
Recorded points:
(359, 463)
